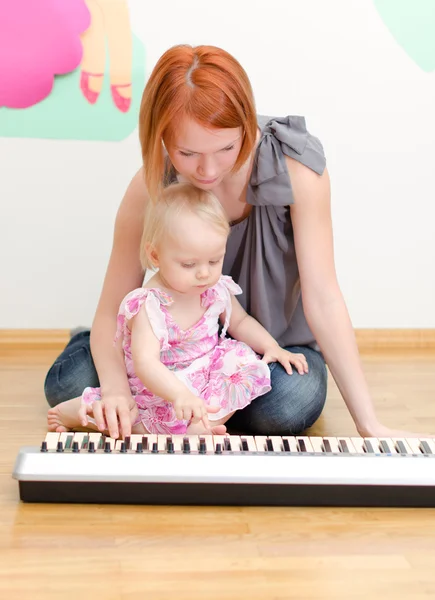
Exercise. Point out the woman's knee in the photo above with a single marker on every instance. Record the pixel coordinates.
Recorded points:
(72, 371)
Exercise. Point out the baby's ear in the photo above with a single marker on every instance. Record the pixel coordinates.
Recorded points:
(152, 255)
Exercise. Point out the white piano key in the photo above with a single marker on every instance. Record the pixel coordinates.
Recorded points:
(95, 437)
(414, 444)
(110, 441)
(430, 443)
(317, 444)
(374, 444)
(276, 443)
(351, 448)
(178, 442)
(250, 440)
(118, 445)
(333, 442)
(209, 443)
(79, 436)
(260, 442)
(161, 442)
(405, 443)
(390, 443)
(358, 444)
(135, 439)
(152, 439)
(52, 437)
(292, 442)
(236, 444)
(193, 442)
(306, 440)
(219, 439)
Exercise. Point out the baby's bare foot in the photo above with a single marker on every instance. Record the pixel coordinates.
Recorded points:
(64, 416)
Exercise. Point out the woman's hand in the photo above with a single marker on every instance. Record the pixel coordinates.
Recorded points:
(378, 430)
(286, 358)
(114, 412)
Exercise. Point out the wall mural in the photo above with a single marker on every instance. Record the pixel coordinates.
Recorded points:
(69, 69)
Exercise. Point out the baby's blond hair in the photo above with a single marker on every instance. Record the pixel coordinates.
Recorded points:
(161, 216)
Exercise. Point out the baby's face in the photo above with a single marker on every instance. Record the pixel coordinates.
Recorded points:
(190, 260)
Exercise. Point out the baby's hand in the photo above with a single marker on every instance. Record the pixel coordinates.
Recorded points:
(286, 358)
(192, 408)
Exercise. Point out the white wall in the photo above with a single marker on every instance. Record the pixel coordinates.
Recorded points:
(334, 62)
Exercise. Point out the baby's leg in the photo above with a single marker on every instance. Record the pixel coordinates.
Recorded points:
(217, 427)
(65, 416)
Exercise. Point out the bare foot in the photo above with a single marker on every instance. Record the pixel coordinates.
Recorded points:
(199, 429)
(64, 416)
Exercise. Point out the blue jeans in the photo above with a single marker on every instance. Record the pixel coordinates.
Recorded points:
(294, 403)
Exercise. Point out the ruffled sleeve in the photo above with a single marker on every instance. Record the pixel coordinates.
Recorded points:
(153, 299)
(281, 136)
(221, 294)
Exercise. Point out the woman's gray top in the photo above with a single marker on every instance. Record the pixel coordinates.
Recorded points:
(260, 253)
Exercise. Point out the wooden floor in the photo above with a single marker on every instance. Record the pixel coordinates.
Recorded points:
(58, 551)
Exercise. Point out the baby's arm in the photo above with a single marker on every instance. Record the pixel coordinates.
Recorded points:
(145, 349)
(246, 329)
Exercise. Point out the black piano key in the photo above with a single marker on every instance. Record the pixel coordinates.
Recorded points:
(327, 446)
(102, 442)
(218, 449)
(123, 448)
(269, 445)
(425, 448)
(342, 444)
(155, 448)
(85, 442)
(59, 447)
(227, 445)
(127, 442)
(385, 448)
(144, 442)
(44, 447)
(301, 445)
(170, 447)
(139, 448)
(202, 446)
(91, 447)
(368, 447)
(107, 447)
(286, 445)
(245, 446)
(75, 447)
(401, 447)
(186, 446)
(69, 441)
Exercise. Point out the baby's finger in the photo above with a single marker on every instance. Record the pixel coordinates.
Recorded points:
(84, 410)
(196, 414)
(179, 413)
(187, 413)
(212, 409)
(287, 366)
(206, 421)
(98, 415)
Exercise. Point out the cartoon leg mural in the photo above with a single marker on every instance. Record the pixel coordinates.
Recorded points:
(109, 19)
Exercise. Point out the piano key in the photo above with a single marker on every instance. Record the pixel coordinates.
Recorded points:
(401, 446)
(209, 443)
(372, 445)
(178, 442)
(111, 442)
(269, 445)
(127, 442)
(250, 440)
(194, 442)
(291, 440)
(118, 445)
(144, 442)
(245, 447)
(236, 444)
(95, 438)
(218, 439)
(430, 442)
(260, 442)
(227, 444)
(202, 446)
(162, 441)
(387, 446)
(52, 437)
(66, 438)
(80, 437)
(317, 444)
(349, 444)
(306, 442)
(414, 444)
(333, 443)
(358, 444)
(135, 439)
(425, 447)
(276, 443)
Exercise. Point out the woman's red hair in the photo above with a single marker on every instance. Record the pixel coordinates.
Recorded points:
(204, 83)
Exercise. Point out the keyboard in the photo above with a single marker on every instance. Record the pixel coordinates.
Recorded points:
(228, 470)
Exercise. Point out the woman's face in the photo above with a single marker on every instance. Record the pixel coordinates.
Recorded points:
(204, 156)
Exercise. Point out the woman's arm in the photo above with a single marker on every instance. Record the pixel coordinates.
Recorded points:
(124, 273)
(323, 302)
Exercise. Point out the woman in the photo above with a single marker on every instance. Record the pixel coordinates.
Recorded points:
(198, 123)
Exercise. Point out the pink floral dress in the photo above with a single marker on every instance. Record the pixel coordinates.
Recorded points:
(224, 372)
